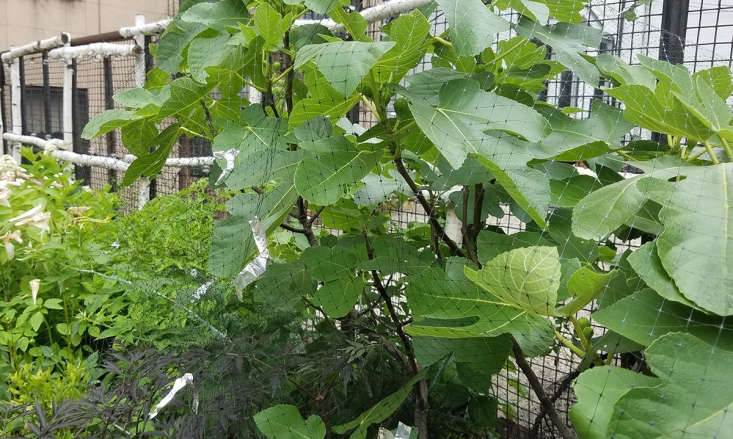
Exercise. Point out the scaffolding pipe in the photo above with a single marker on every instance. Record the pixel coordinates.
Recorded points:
(36, 46)
(95, 50)
(15, 107)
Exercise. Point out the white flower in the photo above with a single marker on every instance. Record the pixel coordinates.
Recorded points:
(4, 196)
(35, 284)
(8, 239)
(34, 217)
(78, 210)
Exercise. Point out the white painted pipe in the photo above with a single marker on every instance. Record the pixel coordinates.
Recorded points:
(143, 28)
(140, 56)
(98, 50)
(16, 112)
(109, 162)
(36, 46)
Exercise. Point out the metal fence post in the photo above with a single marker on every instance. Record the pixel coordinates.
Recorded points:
(672, 39)
(109, 104)
(46, 95)
(674, 30)
(15, 107)
(2, 107)
(144, 194)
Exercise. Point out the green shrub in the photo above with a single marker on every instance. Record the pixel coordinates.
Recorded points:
(49, 312)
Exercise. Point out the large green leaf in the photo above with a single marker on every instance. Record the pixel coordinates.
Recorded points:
(270, 24)
(173, 42)
(644, 316)
(693, 400)
(615, 68)
(488, 354)
(647, 265)
(568, 193)
(285, 422)
(574, 139)
(454, 307)
(468, 120)
(325, 176)
(392, 254)
(343, 63)
(218, 14)
(598, 390)
(568, 42)
(263, 154)
(696, 245)
(379, 412)
(565, 10)
(528, 8)
(108, 121)
(491, 244)
(333, 108)
(409, 32)
(607, 209)
(323, 6)
(527, 278)
(185, 93)
(472, 25)
(283, 286)
(336, 268)
(208, 49)
(232, 244)
(644, 108)
(150, 164)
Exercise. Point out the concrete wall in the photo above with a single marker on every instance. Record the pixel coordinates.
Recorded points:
(22, 21)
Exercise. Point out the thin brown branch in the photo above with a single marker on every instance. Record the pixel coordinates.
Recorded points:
(316, 215)
(564, 385)
(536, 386)
(427, 207)
(292, 229)
(421, 387)
(304, 221)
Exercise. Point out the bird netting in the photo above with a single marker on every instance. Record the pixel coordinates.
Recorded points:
(465, 219)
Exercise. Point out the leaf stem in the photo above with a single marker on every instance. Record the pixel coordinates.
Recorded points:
(624, 155)
(442, 41)
(711, 153)
(568, 344)
(727, 149)
(371, 107)
(283, 73)
(579, 331)
(697, 155)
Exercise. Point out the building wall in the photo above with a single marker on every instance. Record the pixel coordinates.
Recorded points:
(22, 21)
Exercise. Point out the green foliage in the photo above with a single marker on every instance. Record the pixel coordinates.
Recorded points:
(49, 312)
(438, 305)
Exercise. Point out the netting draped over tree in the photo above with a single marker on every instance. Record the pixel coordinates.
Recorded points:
(456, 218)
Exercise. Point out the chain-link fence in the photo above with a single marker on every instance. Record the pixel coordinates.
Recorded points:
(695, 33)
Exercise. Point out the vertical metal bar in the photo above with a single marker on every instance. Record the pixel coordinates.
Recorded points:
(672, 41)
(566, 89)
(68, 128)
(15, 107)
(2, 108)
(149, 66)
(23, 115)
(82, 173)
(674, 30)
(144, 194)
(46, 96)
(111, 137)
